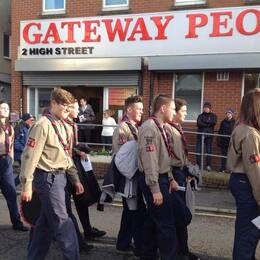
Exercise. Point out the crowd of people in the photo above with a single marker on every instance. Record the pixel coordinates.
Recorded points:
(150, 169)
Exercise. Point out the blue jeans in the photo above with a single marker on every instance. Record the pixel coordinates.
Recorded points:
(208, 149)
(8, 188)
(54, 221)
(247, 234)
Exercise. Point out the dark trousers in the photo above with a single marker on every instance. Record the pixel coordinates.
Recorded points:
(224, 151)
(247, 234)
(68, 193)
(83, 213)
(17, 179)
(8, 188)
(159, 229)
(181, 231)
(84, 135)
(208, 149)
(53, 221)
(131, 225)
(106, 140)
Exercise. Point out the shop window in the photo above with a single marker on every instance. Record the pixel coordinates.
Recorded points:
(251, 81)
(6, 46)
(189, 2)
(189, 87)
(222, 76)
(39, 99)
(54, 6)
(115, 4)
(116, 100)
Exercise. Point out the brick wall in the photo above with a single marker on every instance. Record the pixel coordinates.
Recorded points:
(32, 9)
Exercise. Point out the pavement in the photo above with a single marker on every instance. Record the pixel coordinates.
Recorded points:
(210, 233)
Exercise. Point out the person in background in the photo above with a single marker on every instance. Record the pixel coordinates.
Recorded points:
(244, 163)
(86, 116)
(21, 134)
(226, 128)
(206, 122)
(6, 165)
(107, 131)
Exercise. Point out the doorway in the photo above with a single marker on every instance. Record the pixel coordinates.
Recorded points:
(94, 96)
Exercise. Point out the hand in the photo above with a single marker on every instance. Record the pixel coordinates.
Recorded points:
(78, 188)
(26, 196)
(157, 198)
(174, 186)
(83, 156)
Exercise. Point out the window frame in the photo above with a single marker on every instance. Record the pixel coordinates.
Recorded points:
(189, 2)
(202, 92)
(114, 7)
(9, 47)
(53, 11)
(243, 85)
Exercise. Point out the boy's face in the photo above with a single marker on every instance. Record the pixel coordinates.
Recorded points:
(206, 109)
(169, 112)
(61, 111)
(135, 111)
(74, 111)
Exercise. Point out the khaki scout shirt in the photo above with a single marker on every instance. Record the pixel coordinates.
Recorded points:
(11, 142)
(44, 151)
(244, 156)
(153, 155)
(180, 158)
(122, 134)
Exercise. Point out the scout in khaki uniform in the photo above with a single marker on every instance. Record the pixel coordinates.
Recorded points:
(154, 161)
(6, 165)
(44, 162)
(179, 162)
(244, 163)
(132, 220)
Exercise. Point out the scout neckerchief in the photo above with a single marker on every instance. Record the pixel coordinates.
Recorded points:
(165, 137)
(75, 131)
(131, 127)
(57, 132)
(8, 131)
(183, 139)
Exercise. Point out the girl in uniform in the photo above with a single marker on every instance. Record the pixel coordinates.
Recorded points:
(6, 165)
(244, 163)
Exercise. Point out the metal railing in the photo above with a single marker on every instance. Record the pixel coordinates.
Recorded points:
(203, 154)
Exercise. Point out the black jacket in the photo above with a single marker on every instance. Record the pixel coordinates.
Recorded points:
(206, 122)
(226, 128)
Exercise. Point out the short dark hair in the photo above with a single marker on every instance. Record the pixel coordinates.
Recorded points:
(179, 103)
(84, 98)
(133, 99)
(250, 108)
(161, 100)
(62, 96)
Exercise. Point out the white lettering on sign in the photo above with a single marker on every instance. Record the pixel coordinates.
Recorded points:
(229, 30)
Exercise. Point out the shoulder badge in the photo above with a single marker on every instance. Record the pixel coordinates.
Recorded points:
(31, 142)
(150, 147)
(254, 158)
